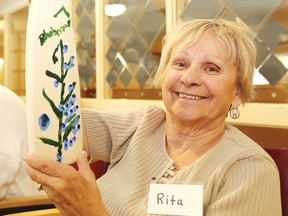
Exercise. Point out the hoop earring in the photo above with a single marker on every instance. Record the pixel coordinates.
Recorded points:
(234, 113)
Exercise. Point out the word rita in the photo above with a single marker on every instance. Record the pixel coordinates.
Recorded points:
(163, 199)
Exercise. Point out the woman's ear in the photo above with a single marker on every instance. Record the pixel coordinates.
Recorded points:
(238, 98)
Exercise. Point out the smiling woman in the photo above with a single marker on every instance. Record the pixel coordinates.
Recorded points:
(187, 143)
(202, 79)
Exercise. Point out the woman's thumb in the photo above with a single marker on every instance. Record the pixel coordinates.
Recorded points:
(83, 164)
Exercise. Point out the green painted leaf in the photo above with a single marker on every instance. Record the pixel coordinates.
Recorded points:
(69, 128)
(54, 57)
(49, 141)
(70, 93)
(70, 118)
(53, 75)
(54, 108)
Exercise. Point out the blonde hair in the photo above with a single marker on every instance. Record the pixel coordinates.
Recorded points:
(232, 35)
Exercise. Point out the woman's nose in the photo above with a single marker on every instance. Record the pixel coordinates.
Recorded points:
(192, 76)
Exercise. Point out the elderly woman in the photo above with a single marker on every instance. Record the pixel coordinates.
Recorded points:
(205, 73)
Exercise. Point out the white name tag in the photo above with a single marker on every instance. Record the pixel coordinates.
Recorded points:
(175, 199)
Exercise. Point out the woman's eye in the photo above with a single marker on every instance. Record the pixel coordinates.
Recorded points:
(179, 65)
(212, 68)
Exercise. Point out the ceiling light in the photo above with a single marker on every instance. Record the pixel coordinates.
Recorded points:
(114, 9)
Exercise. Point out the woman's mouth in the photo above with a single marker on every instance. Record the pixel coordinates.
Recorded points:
(192, 97)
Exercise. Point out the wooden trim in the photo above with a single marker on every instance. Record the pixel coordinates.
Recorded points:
(24, 201)
(100, 56)
(45, 212)
(146, 94)
(270, 94)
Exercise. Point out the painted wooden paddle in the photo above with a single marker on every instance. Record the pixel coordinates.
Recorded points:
(52, 82)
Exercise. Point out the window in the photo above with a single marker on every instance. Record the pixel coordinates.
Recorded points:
(128, 45)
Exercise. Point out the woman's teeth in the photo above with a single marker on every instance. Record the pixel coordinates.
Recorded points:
(181, 95)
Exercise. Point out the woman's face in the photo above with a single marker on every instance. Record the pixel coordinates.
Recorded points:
(200, 82)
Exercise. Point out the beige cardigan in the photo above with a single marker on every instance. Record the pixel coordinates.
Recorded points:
(239, 177)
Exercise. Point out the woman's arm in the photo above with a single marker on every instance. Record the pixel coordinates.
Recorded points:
(108, 133)
(250, 187)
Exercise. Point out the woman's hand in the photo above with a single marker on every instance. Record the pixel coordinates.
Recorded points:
(72, 192)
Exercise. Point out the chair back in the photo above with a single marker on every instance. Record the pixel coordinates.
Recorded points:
(99, 168)
(280, 156)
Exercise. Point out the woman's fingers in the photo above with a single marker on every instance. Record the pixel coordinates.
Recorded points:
(82, 161)
(84, 166)
(72, 192)
(47, 166)
(36, 168)
(45, 171)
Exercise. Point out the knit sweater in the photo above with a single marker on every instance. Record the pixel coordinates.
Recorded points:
(239, 177)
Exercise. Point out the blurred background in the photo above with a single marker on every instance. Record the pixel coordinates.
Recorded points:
(119, 46)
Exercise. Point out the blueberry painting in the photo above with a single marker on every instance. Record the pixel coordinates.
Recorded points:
(52, 82)
(66, 110)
